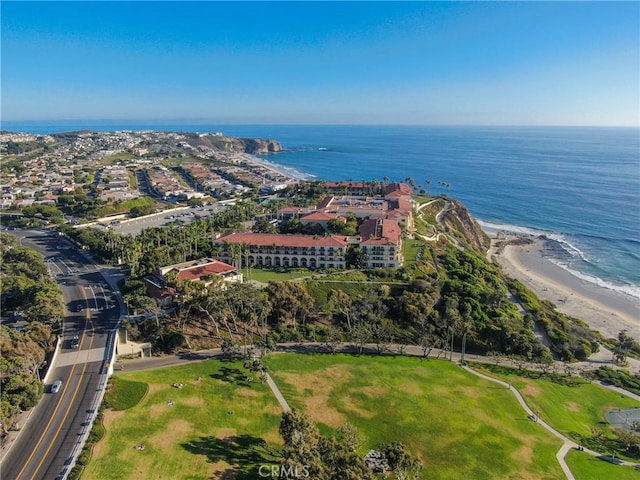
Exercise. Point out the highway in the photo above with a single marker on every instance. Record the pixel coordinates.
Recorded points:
(44, 447)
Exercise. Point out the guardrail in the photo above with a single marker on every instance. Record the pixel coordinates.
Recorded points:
(87, 425)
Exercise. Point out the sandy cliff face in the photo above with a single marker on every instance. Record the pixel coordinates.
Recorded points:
(236, 145)
(458, 218)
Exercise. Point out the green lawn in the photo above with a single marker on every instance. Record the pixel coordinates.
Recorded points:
(461, 426)
(586, 467)
(224, 426)
(571, 405)
(410, 250)
(220, 427)
(267, 276)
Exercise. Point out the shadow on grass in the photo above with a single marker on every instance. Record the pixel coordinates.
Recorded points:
(561, 379)
(241, 456)
(233, 375)
(607, 446)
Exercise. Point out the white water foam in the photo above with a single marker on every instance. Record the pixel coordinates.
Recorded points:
(631, 290)
(285, 170)
(572, 250)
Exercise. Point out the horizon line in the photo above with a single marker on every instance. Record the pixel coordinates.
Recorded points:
(211, 122)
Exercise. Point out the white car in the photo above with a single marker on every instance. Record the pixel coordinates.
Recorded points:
(55, 388)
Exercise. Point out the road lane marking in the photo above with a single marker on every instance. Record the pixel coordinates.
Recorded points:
(73, 398)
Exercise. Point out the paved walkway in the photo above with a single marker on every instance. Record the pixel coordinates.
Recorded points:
(567, 444)
(276, 391)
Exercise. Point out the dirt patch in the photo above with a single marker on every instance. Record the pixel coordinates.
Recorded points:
(247, 392)
(223, 471)
(316, 389)
(532, 390)
(471, 392)
(523, 455)
(108, 417)
(175, 432)
(227, 434)
(411, 388)
(317, 406)
(350, 405)
(375, 391)
(194, 402)
(572, 406)
(158, 410)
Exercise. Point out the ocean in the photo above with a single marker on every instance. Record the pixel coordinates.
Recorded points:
(578, 186)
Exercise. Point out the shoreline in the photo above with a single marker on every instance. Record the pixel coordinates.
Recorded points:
(604, 310)
(292, 173)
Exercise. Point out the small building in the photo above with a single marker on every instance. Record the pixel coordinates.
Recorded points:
(203, 270)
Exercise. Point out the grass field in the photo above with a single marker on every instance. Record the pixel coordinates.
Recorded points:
(219, 427)
(586, 467)
(224, 426)
(461, 426)
(266, 276)
(572, 405)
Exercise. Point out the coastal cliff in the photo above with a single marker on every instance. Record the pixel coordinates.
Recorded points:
(235, 144)
(457, 218)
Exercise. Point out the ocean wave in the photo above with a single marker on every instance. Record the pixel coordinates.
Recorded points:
(627, 289)
(564, 256)
(492, 227)
(559, 238)
(284, 169)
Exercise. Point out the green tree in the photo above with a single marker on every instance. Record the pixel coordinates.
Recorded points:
(403, 464)
(341, 303)
(301, 439)
(291, 303)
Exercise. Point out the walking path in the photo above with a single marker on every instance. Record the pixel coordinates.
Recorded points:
(276, 391)
(567, 444)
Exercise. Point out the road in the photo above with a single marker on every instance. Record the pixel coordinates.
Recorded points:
(45, 444)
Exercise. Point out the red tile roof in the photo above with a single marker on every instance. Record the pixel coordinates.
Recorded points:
(198, 271)
(280, 240)
(379, 231)
(320, 217)
(398, 190)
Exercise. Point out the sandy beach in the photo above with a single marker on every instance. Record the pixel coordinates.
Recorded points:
(605, 310)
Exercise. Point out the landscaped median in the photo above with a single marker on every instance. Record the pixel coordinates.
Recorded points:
(216, 418)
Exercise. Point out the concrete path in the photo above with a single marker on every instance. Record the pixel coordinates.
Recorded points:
(567, 444)
(276, 391)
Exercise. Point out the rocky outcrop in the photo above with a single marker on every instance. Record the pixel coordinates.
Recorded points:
(457, 218)
(235, 144)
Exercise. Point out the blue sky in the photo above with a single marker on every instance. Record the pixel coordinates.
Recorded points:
(431, 63)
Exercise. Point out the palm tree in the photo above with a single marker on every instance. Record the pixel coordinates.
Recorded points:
(428, 182)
